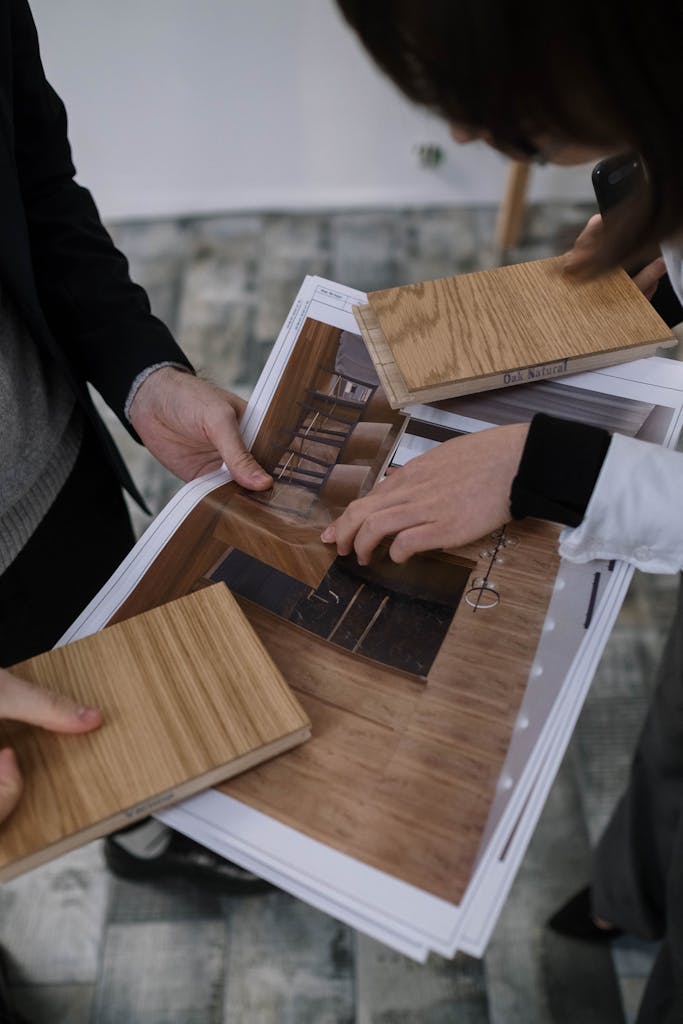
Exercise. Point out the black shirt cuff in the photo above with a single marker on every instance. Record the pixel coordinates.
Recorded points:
(558, 470)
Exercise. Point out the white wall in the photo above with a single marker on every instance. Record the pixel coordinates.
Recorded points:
(184, 106)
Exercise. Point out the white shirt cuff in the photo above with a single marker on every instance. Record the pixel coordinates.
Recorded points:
(635, 513)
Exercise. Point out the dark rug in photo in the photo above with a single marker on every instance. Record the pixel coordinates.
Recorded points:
(396, 615)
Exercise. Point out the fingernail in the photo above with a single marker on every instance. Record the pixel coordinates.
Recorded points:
(327, 535)
(87, 714)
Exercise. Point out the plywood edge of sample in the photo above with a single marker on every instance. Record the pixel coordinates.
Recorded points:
(501, 327)
(190, 697)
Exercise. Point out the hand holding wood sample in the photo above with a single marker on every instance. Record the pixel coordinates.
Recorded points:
(22, 701)
(190, 697)
(496, 328)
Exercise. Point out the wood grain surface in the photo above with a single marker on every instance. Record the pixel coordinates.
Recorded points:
(476, 325)
(190, 697)
(399, 773)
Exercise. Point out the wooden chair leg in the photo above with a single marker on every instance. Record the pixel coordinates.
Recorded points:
(511, 211)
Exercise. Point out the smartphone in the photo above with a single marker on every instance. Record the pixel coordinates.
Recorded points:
(615, 178)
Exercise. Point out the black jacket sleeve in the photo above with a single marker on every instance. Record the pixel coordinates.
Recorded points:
(100, 319)
(558, 470)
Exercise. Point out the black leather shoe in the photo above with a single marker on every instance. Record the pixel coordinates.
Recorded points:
(8, 1014)
(575, 920)
(183, 858)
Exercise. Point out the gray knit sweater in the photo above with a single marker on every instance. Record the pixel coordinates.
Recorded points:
(40, 433)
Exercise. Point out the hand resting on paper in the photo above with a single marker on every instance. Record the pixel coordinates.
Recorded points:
(451, 495)
(192, 427)
(25, 702)
(647, 279)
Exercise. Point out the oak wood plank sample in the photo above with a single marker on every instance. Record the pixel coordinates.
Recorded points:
(501, 327)
(191, 697)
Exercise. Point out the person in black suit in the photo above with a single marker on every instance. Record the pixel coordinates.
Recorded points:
(71, 316)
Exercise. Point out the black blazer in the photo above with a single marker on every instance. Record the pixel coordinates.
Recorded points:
(56, 259)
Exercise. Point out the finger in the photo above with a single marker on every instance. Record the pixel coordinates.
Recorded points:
(11, 785)
(590, 232)
(648, 278)
(407, 543)
(343, 530)
(385, 523)
(385, 493)
(25, 702)
(225, 434)
(586, 241)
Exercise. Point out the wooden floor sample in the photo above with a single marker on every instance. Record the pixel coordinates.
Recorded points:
(190, 697)
(399, 773)
(475, 326)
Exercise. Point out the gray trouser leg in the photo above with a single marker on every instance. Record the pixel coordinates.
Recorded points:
(638, 865)
(663, 999)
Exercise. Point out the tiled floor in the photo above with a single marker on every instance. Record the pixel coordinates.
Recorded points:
(89, 949)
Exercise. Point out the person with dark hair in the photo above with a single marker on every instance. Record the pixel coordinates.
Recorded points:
(565, 83)
(70, 315)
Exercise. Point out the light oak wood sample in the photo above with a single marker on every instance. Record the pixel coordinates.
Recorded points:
(497, 328)
(400, 772)
(190, 697)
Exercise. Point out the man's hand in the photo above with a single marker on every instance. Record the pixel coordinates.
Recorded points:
(192, 427)
(25, 702)
(647, 279)
(451, 495)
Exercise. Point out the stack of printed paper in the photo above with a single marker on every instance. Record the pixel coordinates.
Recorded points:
(442, 693)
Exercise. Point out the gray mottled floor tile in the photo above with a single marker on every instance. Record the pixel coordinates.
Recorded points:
(161, 973)
(390, 989)
(55, 1004)
(367, 249)
(173, 899)
(214, 316)
(158, 255)
(287, 964)
(51, 920)
(277, 297)
(227, 227)
(288, 240)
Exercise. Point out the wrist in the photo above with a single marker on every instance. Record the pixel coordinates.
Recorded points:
(146, 384)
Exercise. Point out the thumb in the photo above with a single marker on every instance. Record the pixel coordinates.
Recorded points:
(34, 705)
(244, 468)
(11, 784)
